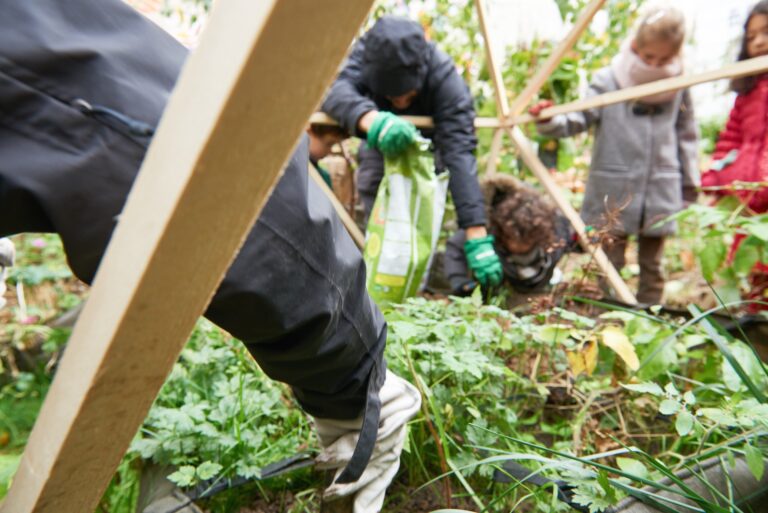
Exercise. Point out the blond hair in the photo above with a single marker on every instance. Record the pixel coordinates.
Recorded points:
(661, 23)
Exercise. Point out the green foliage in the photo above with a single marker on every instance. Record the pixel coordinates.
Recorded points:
(713, 230)
(218, 415)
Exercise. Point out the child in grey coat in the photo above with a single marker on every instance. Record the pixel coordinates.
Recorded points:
(644, 162)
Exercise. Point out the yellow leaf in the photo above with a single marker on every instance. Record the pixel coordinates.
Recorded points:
(584, 358)
(614, 338)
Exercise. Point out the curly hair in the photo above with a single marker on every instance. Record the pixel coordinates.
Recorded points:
(519, 213)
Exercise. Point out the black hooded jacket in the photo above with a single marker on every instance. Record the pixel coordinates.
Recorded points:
(442, 95)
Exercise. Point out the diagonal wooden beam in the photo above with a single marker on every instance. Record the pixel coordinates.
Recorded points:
(542, 173)
(500, 92)
(542, 75)
(744, 68)
(240, 105)
(346, 219)
(497, 143)
(532, 160)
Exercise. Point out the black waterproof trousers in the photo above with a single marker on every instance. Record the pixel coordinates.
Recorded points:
(82, 84)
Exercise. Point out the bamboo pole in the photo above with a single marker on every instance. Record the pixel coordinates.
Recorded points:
(346, 220)
(241, 102)
(539, 79)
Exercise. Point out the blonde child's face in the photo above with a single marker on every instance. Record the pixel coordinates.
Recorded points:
(655, 53)
(757, 35)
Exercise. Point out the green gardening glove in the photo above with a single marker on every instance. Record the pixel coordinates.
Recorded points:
(390, 134)
(483, 261)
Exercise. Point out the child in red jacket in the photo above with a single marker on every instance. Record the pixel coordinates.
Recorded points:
(741, 154)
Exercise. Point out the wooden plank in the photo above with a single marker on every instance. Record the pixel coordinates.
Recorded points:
(321, 118)
(542, 173)
(493, 155)
(240, 105)
(539, 79)
(346, 220)
(529, 156)
(740, 69)
(745, 68)
(502, 103)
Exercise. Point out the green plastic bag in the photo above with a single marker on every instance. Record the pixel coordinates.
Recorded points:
(404, 225)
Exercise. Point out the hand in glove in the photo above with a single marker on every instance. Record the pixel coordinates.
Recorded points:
(483, 261)
(390, 134)
(399, 402)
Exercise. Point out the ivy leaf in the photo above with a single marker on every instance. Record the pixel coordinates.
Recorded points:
(646, 388)
(669, 407)
(183, 477)
(684, 423)
(208, 469)
(755, 461)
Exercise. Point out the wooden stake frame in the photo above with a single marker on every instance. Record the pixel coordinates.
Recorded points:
(217, 154)
(529, 156)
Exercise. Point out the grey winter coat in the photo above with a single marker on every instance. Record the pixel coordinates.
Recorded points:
(640, 162)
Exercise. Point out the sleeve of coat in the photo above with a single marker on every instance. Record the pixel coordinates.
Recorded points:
(566, 125)
(688, 142)
(455, 140)
(346, 101)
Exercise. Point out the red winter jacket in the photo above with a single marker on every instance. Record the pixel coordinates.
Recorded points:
(746, 132)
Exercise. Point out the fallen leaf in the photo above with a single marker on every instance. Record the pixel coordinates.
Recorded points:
(584, 358)
(614, 338)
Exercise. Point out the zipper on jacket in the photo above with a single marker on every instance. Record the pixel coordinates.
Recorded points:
(134, 127)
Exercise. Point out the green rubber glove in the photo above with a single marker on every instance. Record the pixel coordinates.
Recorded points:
(390, 134)
(483, 261)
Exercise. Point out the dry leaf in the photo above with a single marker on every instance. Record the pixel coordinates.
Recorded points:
(584, 358)
(614, 338)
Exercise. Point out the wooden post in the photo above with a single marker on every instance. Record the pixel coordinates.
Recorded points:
(740, 69)
(500, 92)
(346, 220)
(541, 76)
(532, 160)
(493, 155)
(502, 103)
(542, 173)
(241, 103)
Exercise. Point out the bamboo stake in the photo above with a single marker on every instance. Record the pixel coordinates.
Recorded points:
(541, 76)
(240, 104)
(346, 220)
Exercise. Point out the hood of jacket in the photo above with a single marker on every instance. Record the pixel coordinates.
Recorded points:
(396, 56)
